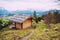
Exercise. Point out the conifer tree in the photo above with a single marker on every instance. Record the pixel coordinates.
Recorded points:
(35, 17)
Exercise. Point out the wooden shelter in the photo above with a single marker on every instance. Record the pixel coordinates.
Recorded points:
(21, 21)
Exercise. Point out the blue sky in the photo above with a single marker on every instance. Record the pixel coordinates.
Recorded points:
(43, 5)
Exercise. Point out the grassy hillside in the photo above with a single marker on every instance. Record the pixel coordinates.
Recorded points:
(10, 34)
(42, 33)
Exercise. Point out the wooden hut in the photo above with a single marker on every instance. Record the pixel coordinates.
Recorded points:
(21, 21)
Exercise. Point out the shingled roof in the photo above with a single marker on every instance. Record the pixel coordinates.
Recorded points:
(19, 18)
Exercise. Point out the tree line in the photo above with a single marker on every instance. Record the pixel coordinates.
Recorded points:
(50, 17)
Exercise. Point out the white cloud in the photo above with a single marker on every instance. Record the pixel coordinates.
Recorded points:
(29, 4)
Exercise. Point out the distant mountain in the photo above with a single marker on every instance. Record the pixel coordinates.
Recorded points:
(40, 13)
(55, 10)
(4, 12)
(28, 12)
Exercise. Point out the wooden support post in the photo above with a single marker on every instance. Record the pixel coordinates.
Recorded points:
(15, 24)
(31, 22)
(21, 25)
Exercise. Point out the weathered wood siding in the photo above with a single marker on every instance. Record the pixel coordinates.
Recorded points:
(18, 25)
(27, 23)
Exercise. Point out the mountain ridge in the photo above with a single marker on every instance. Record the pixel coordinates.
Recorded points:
(28, 12)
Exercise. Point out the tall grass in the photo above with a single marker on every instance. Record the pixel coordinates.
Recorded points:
(42, 33)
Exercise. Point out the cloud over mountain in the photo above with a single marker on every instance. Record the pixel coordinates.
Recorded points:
(30, 4)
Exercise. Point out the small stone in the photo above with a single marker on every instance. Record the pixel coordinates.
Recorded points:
(46, 30)
(56, 29)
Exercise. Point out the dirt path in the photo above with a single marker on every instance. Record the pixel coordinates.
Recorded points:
(28, 36)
